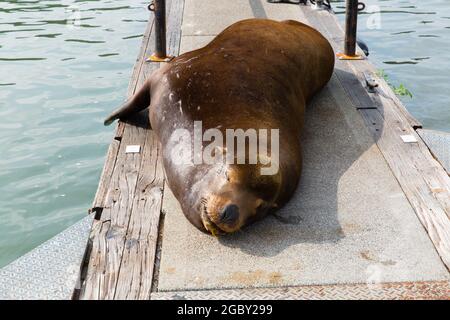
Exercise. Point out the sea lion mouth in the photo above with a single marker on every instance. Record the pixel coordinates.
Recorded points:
(209, 225)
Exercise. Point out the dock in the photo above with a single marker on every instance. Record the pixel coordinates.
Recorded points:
(370, 219)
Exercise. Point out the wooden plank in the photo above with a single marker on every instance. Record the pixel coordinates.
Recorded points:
(108, 237)
(111, 156)
(124, 238)
(407, 164)
(387, 104)
(105, 178)
(422, 178)
(136, 269)
(137, 265)
(328, 24)
(174, 27)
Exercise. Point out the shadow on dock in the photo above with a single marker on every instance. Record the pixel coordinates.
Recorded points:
(332, 144)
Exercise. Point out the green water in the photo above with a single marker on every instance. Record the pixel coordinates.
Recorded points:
(412, 46)
(58, 80)
(63, 66)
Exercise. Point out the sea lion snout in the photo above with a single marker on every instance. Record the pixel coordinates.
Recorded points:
(229, 214)
(236, 196)
(228, 211)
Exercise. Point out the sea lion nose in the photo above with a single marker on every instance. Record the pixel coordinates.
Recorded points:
(229, 214)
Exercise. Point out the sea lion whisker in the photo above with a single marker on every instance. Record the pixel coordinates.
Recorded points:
(203, 200)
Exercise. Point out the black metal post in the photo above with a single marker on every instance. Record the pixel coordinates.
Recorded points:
(160, 28)
(351, 22)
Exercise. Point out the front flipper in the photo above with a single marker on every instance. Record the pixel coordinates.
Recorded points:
(138, 102)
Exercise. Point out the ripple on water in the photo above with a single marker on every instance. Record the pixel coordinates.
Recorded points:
(403, 32)
(55, 93)
(85, 41)
(48, 35)
(58, 80)
(400, 62)
(412, 35)
(22, 59)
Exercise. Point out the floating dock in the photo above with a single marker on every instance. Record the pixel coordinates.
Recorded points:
(370, 219)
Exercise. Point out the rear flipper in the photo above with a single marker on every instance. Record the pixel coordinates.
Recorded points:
(138, 102)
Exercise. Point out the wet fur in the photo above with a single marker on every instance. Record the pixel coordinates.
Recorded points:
(256, 74)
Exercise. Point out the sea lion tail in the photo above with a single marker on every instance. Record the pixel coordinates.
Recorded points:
(138, 102)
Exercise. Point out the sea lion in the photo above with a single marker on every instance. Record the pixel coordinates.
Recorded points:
(256, 74)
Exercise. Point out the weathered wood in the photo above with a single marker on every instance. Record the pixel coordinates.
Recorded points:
(176, 11)
(109, 237)
(129, 197)
(329, 25)
(136, 269)
(408, 165)
(386, 103)
(105, 178)
(111, 156)
(137, 265)
(130, 193)
(422, 178)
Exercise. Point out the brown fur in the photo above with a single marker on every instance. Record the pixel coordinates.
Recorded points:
(255, 74)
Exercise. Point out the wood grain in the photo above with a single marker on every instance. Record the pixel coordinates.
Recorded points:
(137, 265)
(423, 180)
(123, 239)
(128, 199)
(111, 156)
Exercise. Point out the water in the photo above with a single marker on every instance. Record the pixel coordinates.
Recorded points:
(412, 45)
(63, 66)
(58, 80)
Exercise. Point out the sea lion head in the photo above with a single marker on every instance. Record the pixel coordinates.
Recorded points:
(237, 196)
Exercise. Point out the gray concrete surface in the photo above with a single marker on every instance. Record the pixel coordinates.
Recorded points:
(203, 17)
(189, 43)
(349, 221)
